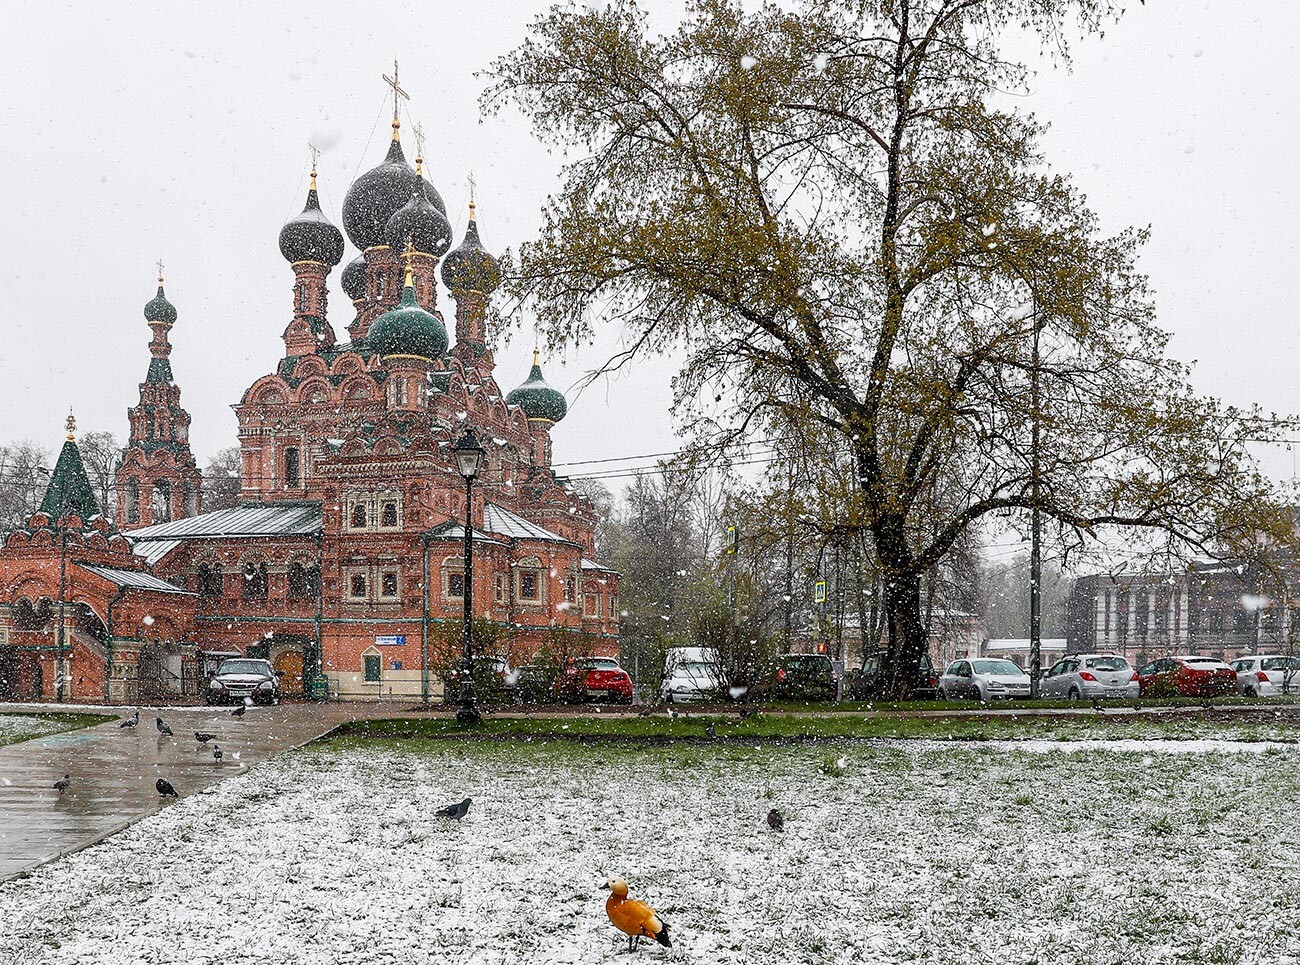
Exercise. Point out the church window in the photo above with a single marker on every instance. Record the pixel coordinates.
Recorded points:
(455, 584)
(302, 296)
(528, 586)
(499, 588)
(161, 499)
(360, 518)
(292, 477)
(372, 665)
(304, 581)
(208, 578)
(397, 392)
(591, 605)
(358, 584)
(388, 519)
(570, 589)
(255, 580)
(132, 501)
(388, 585)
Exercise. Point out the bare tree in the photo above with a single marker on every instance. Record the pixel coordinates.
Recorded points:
(100, 454)
(222, 480)
(22, 481)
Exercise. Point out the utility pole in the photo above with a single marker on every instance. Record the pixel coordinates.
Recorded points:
(1035, 526)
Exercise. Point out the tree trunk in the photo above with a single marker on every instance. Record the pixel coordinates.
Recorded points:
(907, 636)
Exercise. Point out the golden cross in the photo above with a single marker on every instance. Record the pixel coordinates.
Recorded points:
(315, 154)
(419, 140)
(473, 186)
(160, 271)
(392, 82)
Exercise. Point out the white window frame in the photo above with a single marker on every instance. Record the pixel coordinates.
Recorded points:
(351, 572)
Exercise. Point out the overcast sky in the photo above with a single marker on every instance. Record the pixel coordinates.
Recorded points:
(134, 131)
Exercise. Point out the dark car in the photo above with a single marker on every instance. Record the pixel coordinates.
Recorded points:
(533, 684)
(805, 676)
(868, 683)
(241, 679)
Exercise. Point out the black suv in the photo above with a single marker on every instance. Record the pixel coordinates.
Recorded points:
(868, 683)
(805, 676)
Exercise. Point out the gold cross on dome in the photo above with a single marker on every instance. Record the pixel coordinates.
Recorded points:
(419, 139)
(315, 154)
(160, 271)
(473, 186)
(397, 89)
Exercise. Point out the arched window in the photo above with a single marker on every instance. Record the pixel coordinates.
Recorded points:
(360, 518)
(255, 580)
(304, 581)
(132, 501)
(208, 580)
(292, 475)
(161, 501)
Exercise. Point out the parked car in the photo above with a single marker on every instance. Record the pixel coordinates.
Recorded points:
(804, 676)
(594, 678)
(494, 679)
(868, 683)
(1188, 676)
(240, 679)
(1267, 675)
(687, 680)
(534, 684)
(983, 678)
(1088, 676)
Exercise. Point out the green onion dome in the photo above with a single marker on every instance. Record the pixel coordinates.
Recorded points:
(354, 278)
(540, 402)
(158, 308)
(374, 197)
(408, 330)
(421, 224)
(310, 236)
(471, 267)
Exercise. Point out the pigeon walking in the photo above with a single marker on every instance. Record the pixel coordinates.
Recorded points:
(165, 788)
(62, 785)
(216, 753)
(163, 727)
(239, 711)
(456, 811)
(775, 821)
(710, 730)
(131, 721)
(203, 738)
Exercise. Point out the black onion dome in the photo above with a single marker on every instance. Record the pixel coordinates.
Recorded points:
(310, 236)
(471, 267)
(354, 278)
(159, 309)
(422, 224)
(376, 195)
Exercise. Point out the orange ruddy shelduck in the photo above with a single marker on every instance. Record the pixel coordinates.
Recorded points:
(634, 918)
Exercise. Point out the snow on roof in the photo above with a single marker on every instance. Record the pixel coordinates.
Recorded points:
(155, 549)
(251, 519)
(593, 565)
(134, 579)
(502, 521)
(453, 530)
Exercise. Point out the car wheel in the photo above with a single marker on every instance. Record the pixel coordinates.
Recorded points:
(1251, 692)
(943, 694)
(1074, 693)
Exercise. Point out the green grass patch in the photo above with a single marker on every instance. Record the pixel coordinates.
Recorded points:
(785, 727)
(16, 727)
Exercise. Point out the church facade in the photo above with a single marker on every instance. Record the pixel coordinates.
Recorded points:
(342, 562)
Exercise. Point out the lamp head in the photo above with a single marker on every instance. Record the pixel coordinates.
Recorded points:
(469, 454)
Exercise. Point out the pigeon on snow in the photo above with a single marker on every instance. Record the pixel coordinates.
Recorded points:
(775, 821)
(216, 753)
(456, 811)
(163, 727)
(131, 721)
(62, 785)
(239, 711)
(203, 738)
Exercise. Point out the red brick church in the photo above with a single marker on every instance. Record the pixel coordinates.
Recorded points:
(344, 555)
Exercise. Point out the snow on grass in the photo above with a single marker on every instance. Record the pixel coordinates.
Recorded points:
(913, 853)
(21, 727)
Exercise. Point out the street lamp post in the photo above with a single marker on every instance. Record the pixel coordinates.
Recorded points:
(469, 460)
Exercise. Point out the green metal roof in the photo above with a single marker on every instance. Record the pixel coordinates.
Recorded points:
(69, 490)
(135, 579)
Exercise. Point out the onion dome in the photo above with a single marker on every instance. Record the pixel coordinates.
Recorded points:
(421, 225)
(376, 195)
(471, 267)
(310, 236)
(408, 330)
(354, 278)
(540, 402)
(159, 309)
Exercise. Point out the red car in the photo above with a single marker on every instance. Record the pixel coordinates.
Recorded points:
(1190, 676)
(597, 678)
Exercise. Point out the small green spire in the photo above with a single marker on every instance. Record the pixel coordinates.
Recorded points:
(69, 491)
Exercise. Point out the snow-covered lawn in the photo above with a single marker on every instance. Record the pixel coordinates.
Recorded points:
(21, 727)
(942, 853)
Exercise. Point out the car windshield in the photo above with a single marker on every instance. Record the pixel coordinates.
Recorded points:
(1274, 663)
(598, 664)
(244, 666)
(694, 669)
(1107, 663)
(1004, 667)
(1204, 663)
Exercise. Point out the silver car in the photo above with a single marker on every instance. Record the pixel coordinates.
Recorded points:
(1267, 675)
(983, 678)
(1090, 676)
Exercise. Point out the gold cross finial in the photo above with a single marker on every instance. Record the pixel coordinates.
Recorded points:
(408, 253)
(473, 191)
(397, 91)
(160, 271)
(71, 425)
(419, 147)
(315, 158)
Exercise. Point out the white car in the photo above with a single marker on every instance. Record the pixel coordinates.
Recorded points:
(983, 678)
(1267, 675)
(687, 680)
(1089, 676)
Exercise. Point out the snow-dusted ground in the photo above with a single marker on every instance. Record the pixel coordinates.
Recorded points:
(21, 727)
(916, 853)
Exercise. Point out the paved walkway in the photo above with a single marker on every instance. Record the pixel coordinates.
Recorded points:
(113, 771)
